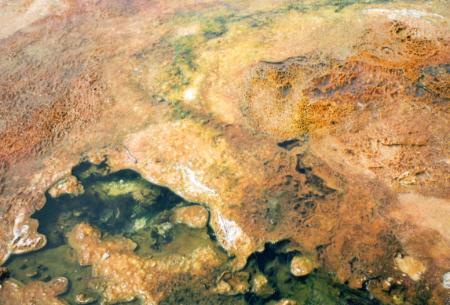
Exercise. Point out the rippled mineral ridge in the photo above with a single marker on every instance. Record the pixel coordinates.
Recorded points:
(317, 129)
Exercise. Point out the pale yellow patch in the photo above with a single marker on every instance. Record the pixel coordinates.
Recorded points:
(190, 94)
(411, 266)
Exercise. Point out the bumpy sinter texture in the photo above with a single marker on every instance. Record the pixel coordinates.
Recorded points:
(325, 123)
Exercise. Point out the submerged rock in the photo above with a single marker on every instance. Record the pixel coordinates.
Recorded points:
(140, 190)
(164, 229)
(32, 273)
(194, 216)
(261, 286)
(302, 265)
(59, 285)
(84, 299)
(233, 283)
(139, 224)
(223, 287)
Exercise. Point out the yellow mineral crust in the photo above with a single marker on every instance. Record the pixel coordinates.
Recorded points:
(126, 276)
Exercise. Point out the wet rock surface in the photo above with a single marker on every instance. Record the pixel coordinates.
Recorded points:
(68, 185)
(319, 123)
(302, 265)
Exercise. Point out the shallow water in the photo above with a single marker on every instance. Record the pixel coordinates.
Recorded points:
(120, 203)
(50, 263)
(317, 288)
(124, 204)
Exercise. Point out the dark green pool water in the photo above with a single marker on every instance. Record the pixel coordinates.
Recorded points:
(123, 203)
(317, 288)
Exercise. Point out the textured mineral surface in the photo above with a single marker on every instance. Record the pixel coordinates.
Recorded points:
(194, 216)
(321, 127)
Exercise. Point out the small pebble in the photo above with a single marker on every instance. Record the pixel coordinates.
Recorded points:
(31, 273)
(59, 285)
(387, 283)
(84, 299)
(105, 256)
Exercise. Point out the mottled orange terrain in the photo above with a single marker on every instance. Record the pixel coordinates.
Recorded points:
(127, 275)
(323, 127)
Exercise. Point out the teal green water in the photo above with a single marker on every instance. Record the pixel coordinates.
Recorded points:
(118, 203)
(123, 203)
(50, 263)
